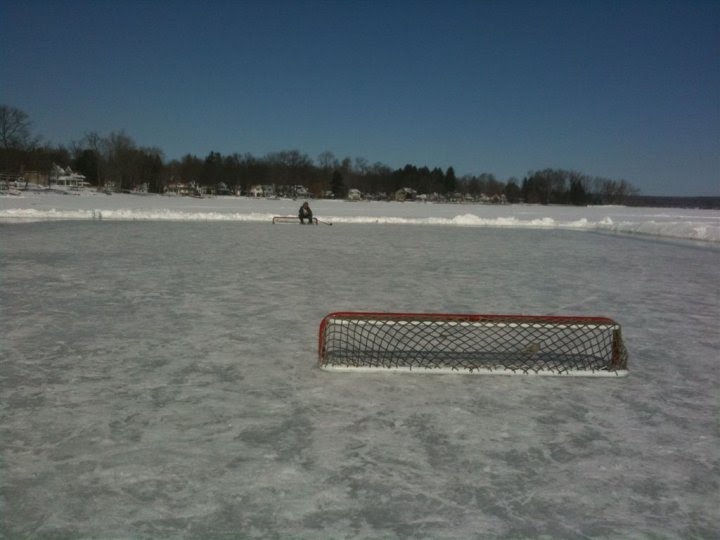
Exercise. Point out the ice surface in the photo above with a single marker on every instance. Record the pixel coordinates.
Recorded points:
(158, 378)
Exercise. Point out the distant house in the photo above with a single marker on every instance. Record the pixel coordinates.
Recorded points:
(405, 194)
(222, 189)
(354, 195)
(184, 189)
(265, 190)
(66, 179)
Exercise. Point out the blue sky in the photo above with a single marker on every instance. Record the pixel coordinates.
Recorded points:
(620, 89)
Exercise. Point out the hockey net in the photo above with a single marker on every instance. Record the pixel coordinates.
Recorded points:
(290, 219)
(457, 343)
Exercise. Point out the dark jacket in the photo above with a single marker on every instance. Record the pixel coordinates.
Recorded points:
(305, 212)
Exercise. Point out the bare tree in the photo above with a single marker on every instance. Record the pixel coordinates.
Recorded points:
(15, 129)
(327, 161)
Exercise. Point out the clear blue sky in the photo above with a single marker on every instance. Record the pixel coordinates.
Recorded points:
(621, 89)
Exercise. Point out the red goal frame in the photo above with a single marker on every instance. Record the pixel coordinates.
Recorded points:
(609, 357)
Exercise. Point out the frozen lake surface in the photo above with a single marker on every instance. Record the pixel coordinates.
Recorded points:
(159, 376)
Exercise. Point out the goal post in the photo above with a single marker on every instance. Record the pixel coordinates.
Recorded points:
(471, 343)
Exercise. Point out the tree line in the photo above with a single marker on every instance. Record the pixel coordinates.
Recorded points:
(116, 161)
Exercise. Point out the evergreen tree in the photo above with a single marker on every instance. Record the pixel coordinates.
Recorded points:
(88, 164)
(576, 194)
(512, 192)
(337, 185)
(450, 183)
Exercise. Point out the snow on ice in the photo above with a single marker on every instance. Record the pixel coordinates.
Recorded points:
(158, 375)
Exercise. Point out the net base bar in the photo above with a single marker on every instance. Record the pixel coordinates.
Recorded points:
(479, 344)
(290, 219)
(478, 371)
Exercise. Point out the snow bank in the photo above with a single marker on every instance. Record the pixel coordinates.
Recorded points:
(698, 225)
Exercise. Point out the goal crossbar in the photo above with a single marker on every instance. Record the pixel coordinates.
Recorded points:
(471, 343)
